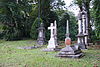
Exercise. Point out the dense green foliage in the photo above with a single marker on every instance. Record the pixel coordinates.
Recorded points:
(96, 11)
(63, 17)
(18, 19)
(15, 18)
(46, 14)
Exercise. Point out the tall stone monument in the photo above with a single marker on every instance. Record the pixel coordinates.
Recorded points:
(52, 43)
(70, 51)
(41, 36)
(67, 39)
(83, 34)
(82, 30)
(81, 40)
(85, 26)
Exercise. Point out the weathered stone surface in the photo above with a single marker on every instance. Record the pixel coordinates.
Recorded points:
(81, 41)
(51, 49)
(27, 47)
(83, 29)
(71, 52)
(72, 56)
(41, 37)
(48, 50)
(82, 46)
(52, 43)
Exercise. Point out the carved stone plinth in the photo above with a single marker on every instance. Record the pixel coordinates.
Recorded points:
(70, 52)
(41, 36)
(81, 41)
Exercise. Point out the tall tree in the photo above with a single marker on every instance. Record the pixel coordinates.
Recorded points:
(43, 11)
(96, 11)
(15, 18)
(57, 4)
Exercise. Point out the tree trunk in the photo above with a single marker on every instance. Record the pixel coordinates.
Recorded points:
(88, 20)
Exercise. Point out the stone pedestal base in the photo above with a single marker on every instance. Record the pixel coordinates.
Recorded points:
(51, 44)
(50, 50)
(82, 46)
(41, 41)
(71, 52)
(27, 47)
(81, 41)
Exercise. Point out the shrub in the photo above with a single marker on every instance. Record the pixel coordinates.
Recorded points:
(11, 33)
(35, 25)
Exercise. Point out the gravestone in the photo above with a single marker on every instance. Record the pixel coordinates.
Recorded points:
(34, 46)
(70, 51)
(52, 43)
(81, 31)
(85, 27)
(29, 47)
(41, 36)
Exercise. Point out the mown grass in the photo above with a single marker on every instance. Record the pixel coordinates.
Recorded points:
(10, 56)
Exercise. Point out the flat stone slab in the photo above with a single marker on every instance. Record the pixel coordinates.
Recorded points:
(71, 56)
(50, 49)
(28, 47)
(70, 52)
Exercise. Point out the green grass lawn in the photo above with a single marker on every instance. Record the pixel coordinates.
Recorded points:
(10, 56)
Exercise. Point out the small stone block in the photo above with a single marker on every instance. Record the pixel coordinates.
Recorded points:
(48, 50)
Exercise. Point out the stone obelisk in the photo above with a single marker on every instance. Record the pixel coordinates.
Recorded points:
(67, 39)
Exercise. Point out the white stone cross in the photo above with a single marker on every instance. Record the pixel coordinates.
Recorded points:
(52, 42)
(52, 28)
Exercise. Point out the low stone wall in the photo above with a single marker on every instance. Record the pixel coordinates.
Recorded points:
(97, 42)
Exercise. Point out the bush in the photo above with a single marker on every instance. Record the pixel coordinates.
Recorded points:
(11, 33)
(35, 25)
(1, 30)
